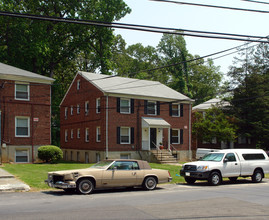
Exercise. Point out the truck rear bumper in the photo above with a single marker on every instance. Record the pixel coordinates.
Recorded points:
(195, 174)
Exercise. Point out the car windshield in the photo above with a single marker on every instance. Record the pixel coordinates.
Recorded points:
(213, 157)
(102, 164)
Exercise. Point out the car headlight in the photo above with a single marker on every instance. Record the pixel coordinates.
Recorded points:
(202, 168)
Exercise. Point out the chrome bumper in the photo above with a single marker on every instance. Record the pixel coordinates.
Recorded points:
(61, 185)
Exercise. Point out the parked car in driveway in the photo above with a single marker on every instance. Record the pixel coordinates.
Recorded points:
(109, 174)
(231, 163)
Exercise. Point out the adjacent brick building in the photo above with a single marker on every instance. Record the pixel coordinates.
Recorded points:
(115, 117)
(25, 114)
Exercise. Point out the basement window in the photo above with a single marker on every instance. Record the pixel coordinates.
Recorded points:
(22, 156)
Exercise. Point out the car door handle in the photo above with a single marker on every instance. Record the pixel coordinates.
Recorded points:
(236, 164)
(134, 173)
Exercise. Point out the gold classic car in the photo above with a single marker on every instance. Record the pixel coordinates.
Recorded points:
(109, 174)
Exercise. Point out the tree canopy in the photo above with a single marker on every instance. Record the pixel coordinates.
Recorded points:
(214, 124)
(250, 102)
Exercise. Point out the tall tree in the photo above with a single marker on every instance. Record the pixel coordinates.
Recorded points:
(206, 79)
(251, 96)
(43, 46)
(135, 61)
(172, 49)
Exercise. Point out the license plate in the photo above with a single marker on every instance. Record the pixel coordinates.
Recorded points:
(187, 174)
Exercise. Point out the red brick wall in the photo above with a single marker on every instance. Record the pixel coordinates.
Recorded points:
(130, 120)
(88, 92)
(37, 107)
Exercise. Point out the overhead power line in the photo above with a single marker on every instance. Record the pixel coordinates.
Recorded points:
(211, 6)
(195, 59)
(153, 29)
(253, 1)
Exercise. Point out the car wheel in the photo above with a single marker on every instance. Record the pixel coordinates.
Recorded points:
(190, 180)
(214, 179)
(150, 183)
(257, 176)
(233, 179)
(85, 186)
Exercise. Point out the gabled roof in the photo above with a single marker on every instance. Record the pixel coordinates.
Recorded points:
(13, 73)
(208, 104)
(122, 86)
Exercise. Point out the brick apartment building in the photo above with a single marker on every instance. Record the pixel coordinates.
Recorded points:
(25, 114)
(115, 117)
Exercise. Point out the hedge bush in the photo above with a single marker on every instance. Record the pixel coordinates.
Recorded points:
(50, 153)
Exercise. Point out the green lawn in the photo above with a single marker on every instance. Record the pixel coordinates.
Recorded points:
(35, 174)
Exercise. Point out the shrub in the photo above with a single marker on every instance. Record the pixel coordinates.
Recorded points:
(50, 153)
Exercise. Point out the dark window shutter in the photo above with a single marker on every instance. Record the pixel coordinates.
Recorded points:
(170, 109)
(181, 136)
(118, 104)
(118, 135)
(158, 108)
(181, 110)
(146, 107)
(132, 135)
(132, 106)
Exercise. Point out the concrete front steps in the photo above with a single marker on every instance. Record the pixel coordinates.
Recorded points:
(164, 156)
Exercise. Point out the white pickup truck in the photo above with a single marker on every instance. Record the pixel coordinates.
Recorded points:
(232, 163)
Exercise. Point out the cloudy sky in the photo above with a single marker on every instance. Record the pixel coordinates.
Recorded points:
(146, 12)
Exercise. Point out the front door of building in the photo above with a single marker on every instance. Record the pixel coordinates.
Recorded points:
(153, 138)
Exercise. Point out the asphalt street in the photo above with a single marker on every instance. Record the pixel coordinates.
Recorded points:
(242, 200)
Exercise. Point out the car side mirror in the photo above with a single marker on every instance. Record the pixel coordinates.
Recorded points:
(225, 160)
(114, 168)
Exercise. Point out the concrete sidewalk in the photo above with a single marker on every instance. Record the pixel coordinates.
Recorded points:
(10, 184)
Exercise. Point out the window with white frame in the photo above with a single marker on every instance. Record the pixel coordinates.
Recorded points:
(72, 134)
(86, 107)
(66, 135)
(125, 106)
(78, 133)
(22, 156)
(22, 125)
(175, 136)
(175, 110)
(151, 108)
(98, 105)
(98, 134)
(71, 110)
(21, 91)
(125, 135)
(65, 112)
(78, 85)
(87, 137)
(78, 109)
